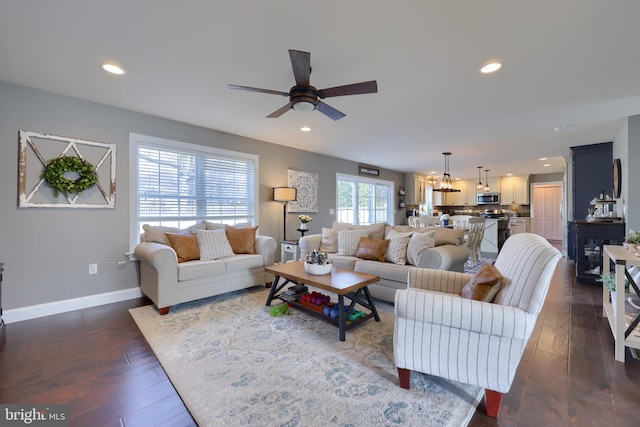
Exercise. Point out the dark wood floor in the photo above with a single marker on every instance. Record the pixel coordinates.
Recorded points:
(97, 362)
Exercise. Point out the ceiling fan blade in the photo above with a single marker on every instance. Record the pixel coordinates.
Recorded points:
(329, 111)
(280, 111)
(301, 63)
(255, 89)
(352, 89)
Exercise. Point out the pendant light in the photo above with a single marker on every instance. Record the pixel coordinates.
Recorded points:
(446, 185)
(479, 185)
(486, 185)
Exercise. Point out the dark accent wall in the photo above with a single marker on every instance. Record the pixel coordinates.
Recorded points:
(592, 174)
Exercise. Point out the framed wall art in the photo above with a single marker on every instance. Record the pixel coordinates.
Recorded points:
(61, 172)
(306, 183)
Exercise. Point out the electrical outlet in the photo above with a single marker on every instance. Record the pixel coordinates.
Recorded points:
(93, 268)
(332, 211)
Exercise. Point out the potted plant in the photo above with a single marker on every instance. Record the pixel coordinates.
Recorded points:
(609, 279)
(304, 219)
(632, 240)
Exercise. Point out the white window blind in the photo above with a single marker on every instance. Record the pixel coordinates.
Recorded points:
(184, 184)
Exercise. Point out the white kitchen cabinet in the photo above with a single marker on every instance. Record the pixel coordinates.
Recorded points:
(519, 225)
(466, 196)
(415, 187)
(514, 190)
(489, 243)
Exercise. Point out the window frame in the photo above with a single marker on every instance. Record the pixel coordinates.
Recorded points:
(358, 179)
(135, 140)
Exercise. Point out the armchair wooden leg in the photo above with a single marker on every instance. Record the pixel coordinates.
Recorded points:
(405, 378)
(164, 310)
(493, 401)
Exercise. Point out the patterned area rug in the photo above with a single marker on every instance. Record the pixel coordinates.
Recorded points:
(234, 364)
(474, 268)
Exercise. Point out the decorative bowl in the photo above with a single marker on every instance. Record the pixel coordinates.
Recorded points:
(318, 269)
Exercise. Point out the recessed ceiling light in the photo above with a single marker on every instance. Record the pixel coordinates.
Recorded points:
(543, 158)
(432, 172)
(305, 129)
(509, 174)
(561, 128)
(546, 165)
(113, 69)
(491, 67)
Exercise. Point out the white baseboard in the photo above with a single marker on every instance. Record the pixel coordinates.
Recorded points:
(57, 307)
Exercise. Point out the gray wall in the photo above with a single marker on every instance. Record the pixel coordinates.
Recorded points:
(47, 251)
(626, 147)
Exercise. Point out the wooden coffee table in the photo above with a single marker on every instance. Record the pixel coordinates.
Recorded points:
(343, 282)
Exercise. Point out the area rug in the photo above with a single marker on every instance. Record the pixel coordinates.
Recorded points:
(234, 364)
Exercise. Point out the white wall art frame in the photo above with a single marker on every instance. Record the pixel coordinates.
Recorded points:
(307, 185)
(37, 149)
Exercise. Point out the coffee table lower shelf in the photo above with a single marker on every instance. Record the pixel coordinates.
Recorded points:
(317, 311)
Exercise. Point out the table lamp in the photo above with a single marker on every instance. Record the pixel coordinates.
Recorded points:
(284, 195)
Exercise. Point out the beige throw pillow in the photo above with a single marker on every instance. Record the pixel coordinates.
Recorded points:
(329, 240)
(397, 250)
(348, 241)
(448, 236)
(213, 244)
(419, 243)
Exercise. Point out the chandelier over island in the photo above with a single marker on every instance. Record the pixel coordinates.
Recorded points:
(446, 185)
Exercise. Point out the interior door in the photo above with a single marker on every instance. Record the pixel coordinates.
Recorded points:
(547, 211)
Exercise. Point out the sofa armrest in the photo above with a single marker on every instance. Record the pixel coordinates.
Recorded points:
(429, 279)
(158, 272)
(460, 313)
(309, 243)
(445, 257)
(266, 246)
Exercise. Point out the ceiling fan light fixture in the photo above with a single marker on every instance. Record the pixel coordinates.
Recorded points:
(304, 106)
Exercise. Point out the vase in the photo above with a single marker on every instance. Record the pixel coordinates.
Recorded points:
(303, 226)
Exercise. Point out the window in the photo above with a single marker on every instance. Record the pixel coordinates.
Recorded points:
(177, 184)
(363, 201)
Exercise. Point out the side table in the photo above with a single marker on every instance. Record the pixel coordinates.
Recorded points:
(3, 328)
(290, 247)
(621, 333)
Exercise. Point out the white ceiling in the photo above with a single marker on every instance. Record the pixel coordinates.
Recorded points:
(573, 63)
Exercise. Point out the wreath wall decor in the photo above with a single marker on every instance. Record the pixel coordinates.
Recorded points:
(55, 175)
(61, 172)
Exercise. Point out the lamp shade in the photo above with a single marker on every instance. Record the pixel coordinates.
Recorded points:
(284, 194)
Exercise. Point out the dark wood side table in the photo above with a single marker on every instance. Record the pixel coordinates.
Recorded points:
(3, 328)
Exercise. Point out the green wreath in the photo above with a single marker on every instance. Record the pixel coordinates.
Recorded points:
(54, 175)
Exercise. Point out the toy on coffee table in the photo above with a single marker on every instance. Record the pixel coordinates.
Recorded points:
(279, 310)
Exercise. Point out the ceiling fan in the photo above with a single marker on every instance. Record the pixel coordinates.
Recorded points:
(304, 97)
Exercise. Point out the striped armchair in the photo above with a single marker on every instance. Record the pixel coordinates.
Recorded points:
(439, 333)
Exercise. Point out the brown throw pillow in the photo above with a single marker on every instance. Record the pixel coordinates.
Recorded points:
(484, 285)
(185, 244)
(242, 239)
(372, 249)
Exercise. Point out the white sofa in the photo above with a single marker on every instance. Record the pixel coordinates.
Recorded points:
(167, 282)
(450, 253)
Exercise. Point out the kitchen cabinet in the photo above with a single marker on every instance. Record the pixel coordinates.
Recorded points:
(514, 190)
(519, 225)
(466, 196)
(415, 187)
(590, 238)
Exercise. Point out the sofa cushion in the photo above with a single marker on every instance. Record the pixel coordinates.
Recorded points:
(373, 249)
(348, 240)
(200, 269)
(185, 244)
(242, 239)
(397, 249)
(329, 240)
(243, 262)
(155, 233)
(484, 285)
(448, 236)
(343, 261)
(419, 243)
(386, 270)
(213, 244)
(214, 226)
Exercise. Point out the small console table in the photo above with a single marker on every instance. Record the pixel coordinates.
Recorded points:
(290, 247)
(622, 259)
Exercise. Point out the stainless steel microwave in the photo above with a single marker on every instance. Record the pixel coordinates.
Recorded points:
(488, 198)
